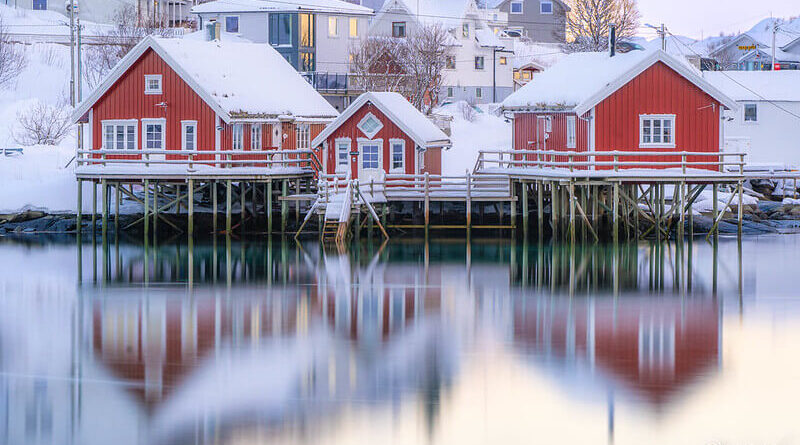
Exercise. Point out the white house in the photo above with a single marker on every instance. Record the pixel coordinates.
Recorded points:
(752, 50)
(174, 12)
(767, 125)
(481, 67)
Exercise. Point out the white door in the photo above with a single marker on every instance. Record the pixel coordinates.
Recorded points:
(370, 161)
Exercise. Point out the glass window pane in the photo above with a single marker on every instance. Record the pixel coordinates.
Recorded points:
(131, 143)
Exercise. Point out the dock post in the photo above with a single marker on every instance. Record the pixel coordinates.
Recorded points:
(117, 199)
(525, 210)
(104, 210)
(469, 203)
(146, 208)
(572, 211)
(714, 209)
(681, 210)
(214, 208)
(155, 210)
(190, 208)
(79, 215)
(284, 205)
(269, 207)
(513, 207)
(740, 215)
(540, 208)
(243, 202)
(615, 211)
(427, 203)
(658, 210)
(94, 209)
(228, 186)
(554, 207)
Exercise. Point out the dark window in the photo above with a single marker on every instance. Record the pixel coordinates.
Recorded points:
(450, 63)
(479, 63)
(232, 24)
(546, 7)
(399, 29)
(40, 5)
(280, 29)
(516, 7)
(751, 113)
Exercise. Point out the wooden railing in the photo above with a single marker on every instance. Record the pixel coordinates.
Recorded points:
(609, 160)
(229, 159)
(395, 186)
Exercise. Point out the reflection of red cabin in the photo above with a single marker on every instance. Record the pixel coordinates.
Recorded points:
(638, 101)
(185, 94)
(654, 348)
(381, 133)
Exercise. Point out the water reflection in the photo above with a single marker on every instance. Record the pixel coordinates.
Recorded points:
(414, 343)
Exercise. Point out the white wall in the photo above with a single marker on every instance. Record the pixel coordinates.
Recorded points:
(333, 52)
(774, 139)
(253, 26)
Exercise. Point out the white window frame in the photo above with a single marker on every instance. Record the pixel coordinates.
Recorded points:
(662, 118)
(339, 143)
(744, 113)
(238, 24)
(371, 134)
(150, 91)
(125, 123)
(303, 136)
(572, 132)
(402, 144)
(353, 28)
(184, 126)
(542, 3)
(521, 7)
(157, 121)
(256, 137)
(333, 27)
(237, 130)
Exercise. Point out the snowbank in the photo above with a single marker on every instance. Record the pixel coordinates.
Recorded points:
(486, 132)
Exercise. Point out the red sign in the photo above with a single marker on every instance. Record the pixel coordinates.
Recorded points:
(777, 67)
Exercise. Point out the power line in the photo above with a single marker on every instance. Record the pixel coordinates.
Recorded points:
(773, 103)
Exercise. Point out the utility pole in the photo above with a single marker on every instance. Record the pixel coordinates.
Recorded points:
(663, 33)
(72, 52)
(494, 74)
(774, 33)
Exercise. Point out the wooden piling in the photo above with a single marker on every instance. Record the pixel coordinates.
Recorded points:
(525, 210)
(540, 208)
(146, 209)
(740, 215)
(243, 203)
(714, 209)
(94, 209)
(79, 215)
(269, 207)
(191, 208)
(427, 203)
(615, 212)
(155, 210)
(214, 208)
(284, 205)
(469, 202)
(554, 208)
(572, 212)
(117, 199)
(228, 186)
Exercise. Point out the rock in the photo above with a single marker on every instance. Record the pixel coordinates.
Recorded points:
(28, 230)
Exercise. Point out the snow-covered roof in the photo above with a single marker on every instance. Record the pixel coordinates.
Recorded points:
(762, 33)
(235, 79)
(582, 80)
(778, 86)
(540, 54)
(413, 123)
(324, 6)
(488, 39)
(449, 13)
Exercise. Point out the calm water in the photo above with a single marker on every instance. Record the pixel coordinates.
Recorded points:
(446, 343)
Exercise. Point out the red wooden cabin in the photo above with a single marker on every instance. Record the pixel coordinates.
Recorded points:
(189, 94)
(635, 102)
(381, 133)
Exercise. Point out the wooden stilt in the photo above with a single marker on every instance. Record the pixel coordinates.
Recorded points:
(117, 199)
(714, 208)
(284, 205)
(540, 209)
(79, 215)
(155, 210)
(104, 209)
(512, 207)
(572, 212)
(525, 210)
(554, 208)
(146, 210)
(615, 212)
(740, 215)
(427, 203)
(228, 186)
(214, 209)
(469, 202)
(190, 207)
(243, 204)
(269, 207)
(94, 209)
(682, 220)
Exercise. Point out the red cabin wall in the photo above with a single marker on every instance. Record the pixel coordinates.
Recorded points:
(658, 90)
(126, 100)
(349, 129)
(527, 138)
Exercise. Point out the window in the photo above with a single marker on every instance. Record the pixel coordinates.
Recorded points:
(188, 135)
(571, 140)
(545, 7)
(370, 125)
(465, 30)
(750, 112)
(657, 131)
(280, 29)
(479, 62)
(306, 61)
(232, 24)
(398, 150)
(303, 136)
(333, 27)
(449, 91)
(479, 92)
(306, 30)
(370, 157)
(255, 137)
(516, 7)
(399, 29)
(119, 135)
(503, 60)
(237, 137)
(154, 137)
(450, 63)
(41, 5)
(152, 84)
(353, 28)
(342, 154)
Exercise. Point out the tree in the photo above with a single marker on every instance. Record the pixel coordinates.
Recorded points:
(412, 65)
(43, 124)
(12, 59)
(130, 28)
(589, 21)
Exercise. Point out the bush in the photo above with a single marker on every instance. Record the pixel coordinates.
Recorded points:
(43, 124)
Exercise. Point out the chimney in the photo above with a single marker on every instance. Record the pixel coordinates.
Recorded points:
(612, 40)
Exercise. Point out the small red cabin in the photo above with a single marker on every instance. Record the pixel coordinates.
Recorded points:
(188, 94)
(635, 102)
(379, 134)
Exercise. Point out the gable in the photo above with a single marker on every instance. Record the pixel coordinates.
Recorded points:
(660, 82)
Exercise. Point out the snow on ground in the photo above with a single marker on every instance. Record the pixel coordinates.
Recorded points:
(486, 131)
(28, 25)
